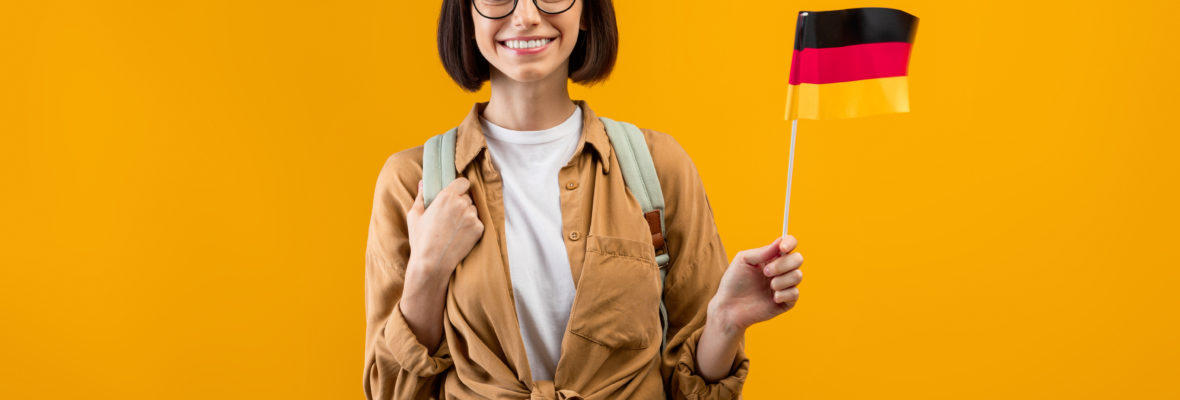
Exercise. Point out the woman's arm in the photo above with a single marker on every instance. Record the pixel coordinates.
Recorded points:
(439, 239)
(398, 365)
(696, 266)
(422, 305)
(757, 286)
(704, 358)
(718, 347)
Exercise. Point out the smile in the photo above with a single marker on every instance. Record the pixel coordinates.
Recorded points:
(527, 44)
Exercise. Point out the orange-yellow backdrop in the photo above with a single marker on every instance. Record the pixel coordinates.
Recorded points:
(186, 187)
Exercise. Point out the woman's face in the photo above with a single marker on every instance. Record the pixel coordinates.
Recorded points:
(528, 44)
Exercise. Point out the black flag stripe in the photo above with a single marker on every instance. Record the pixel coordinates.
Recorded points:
(838, 28)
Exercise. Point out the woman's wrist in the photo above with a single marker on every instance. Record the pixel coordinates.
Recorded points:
(423, 288)
(718, 344)
(717, 319)
(423, 277)
(422, 303)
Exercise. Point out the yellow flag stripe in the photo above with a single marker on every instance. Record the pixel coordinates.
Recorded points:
(848, 99)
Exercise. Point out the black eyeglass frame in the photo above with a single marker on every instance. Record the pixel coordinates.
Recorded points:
(514, 3)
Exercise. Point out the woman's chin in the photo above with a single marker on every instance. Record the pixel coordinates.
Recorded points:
(529, 74)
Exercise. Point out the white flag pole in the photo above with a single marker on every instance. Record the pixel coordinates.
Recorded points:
(790, 168)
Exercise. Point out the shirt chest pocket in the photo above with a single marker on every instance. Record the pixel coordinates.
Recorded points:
(618, 298)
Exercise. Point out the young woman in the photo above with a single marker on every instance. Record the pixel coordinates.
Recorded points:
(532, 275)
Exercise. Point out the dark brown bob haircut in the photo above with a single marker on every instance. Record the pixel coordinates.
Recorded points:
(591, 61)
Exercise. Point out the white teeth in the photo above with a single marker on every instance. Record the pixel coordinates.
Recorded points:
(526, 44)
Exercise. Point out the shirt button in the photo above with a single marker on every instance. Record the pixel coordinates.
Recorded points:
(575, 236)
(571, 185)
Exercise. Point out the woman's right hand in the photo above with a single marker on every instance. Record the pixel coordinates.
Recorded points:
(442, 235)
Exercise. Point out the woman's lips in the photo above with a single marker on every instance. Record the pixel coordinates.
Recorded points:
(527, 45)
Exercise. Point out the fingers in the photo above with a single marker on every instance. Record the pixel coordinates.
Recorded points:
(786, 296)
(789, 242)
(761, 255)
(459, 189)
(755, 257)
(458, 186)
(419, 205)
(786, 272)
(787, 280)
(783, 264)
(473, 216)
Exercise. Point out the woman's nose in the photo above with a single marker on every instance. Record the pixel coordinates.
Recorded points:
(526, 14)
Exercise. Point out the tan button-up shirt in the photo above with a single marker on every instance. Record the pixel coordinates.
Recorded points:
(611, 347)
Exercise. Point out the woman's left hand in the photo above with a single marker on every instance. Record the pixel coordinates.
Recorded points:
(759, 285)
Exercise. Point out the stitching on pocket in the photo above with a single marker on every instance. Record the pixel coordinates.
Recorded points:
(621, 255)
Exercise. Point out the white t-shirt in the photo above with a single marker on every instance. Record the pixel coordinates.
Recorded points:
(542, 283)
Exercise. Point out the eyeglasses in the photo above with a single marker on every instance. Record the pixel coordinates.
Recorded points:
(496, 9)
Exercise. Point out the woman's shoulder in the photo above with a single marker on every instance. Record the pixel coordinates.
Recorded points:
(662, 144)
(402, 169)
(672, 162)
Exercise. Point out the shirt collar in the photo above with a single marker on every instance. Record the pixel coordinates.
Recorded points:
(469, 139)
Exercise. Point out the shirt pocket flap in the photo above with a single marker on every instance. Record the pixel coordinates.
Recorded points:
(618, 298)
(620, 247)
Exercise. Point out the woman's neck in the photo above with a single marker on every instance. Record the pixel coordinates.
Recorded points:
(529, 106)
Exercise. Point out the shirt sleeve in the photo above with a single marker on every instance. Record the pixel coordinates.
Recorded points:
(696, 265)
(397, 365)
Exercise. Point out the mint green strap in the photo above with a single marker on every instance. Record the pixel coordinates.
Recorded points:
(639, 172)
(438, 165)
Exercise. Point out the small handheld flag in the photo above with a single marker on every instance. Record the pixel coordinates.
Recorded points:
(850, 63)
(846, 64)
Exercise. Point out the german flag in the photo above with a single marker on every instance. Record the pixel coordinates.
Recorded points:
(850, 63)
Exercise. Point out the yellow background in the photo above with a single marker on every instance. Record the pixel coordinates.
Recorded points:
(186, 187)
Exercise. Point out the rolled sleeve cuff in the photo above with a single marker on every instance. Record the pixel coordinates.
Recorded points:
(410, 354)
(694, 386)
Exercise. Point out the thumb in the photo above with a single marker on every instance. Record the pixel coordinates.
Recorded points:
(419, 204)
(758, 256)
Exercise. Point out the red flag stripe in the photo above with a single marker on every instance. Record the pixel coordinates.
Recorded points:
(849, 63)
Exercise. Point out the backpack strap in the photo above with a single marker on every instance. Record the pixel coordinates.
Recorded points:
(639, 172)
(438, 165)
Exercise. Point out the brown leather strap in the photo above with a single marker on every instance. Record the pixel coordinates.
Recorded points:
(657, 235)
